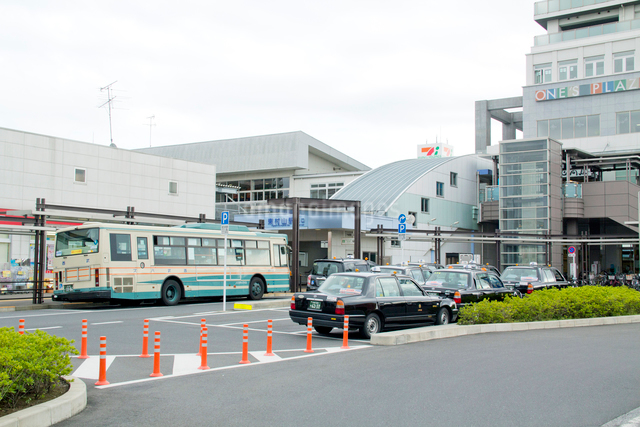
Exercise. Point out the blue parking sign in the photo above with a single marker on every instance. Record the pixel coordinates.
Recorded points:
(402, 228)
(224, 218)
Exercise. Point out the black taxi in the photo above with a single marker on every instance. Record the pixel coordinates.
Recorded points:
(373, 302)
(468, 284)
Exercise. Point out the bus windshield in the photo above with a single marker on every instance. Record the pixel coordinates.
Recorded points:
(77, 242)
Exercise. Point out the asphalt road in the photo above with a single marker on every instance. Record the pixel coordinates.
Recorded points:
(559, 377)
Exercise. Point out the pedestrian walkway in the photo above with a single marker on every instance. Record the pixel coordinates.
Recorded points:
(132, 369)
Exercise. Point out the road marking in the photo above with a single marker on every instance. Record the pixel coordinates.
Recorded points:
(318, 352)
(90, 368)
(106, 323)
(42, 329)
(265, 359)
(186, 363)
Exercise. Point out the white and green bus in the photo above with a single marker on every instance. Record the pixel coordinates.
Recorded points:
(131, 263)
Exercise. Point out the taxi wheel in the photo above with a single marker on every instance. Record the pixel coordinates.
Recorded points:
(171, 292)
(324, 330)
(256, 288)
(442, 317)
(372, 325)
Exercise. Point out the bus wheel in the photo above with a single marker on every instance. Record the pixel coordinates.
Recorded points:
(171, 292)
(256, 288)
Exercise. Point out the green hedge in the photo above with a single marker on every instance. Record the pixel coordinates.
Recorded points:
(31, 364)
(555, 304)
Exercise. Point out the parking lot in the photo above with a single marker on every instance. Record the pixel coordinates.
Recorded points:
(179, 329)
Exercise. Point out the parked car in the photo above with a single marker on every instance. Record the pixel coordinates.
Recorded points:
(527, 279)
(468, 285)
(476, 266)
(373, 302)
(323, 268)
(419, 274)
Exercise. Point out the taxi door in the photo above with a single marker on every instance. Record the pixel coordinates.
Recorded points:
(420, 307)
(389, 299)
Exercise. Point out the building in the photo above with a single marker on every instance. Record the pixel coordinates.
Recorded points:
(80, 174)
(575, 174)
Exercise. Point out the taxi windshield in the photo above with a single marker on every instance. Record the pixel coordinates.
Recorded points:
(449, 279)
(325, 268)
(342, 285)
(519, 273)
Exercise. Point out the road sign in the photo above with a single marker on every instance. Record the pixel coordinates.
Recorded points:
(224, 229)
(402, 218)
(224, 218)
(572, 250)
(402, 228)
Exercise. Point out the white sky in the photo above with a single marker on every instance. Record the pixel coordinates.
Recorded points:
(373, 79)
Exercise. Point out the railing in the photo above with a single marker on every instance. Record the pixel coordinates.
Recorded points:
(572, 190)
(581, 33)
(548, 6)
(492, 194)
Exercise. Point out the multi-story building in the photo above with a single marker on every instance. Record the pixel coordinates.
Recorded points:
(576, 170)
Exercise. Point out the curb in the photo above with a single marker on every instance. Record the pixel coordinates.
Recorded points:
(53, 411)
(262, 304)
(449, 331)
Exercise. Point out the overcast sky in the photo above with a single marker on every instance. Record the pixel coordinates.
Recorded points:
(373, 79)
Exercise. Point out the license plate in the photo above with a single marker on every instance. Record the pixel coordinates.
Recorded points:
(314, 305)
(68, 288)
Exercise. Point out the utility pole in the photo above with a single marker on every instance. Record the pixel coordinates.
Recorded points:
(151, 119)
(109, 101)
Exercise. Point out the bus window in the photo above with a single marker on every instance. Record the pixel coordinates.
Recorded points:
(77, 242)
(143, 251)
(202, 256)
(120, 247)
(169, 250)
(257, 252)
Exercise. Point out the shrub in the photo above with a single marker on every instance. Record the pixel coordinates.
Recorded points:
(31, 364)
(555, 304)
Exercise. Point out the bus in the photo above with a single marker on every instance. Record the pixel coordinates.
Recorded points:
(129, 264)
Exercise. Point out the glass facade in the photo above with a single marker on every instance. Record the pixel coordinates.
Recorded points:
(524, 197)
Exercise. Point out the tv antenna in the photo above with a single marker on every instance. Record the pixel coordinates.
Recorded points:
(151, 119)
(109, 101)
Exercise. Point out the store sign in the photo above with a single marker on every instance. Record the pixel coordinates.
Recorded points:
(587, 89)
(434, 151)
(578, 173)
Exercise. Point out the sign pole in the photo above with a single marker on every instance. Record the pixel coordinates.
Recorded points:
(224, 281)
(224, 229)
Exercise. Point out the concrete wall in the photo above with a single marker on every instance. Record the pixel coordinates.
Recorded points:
(38, 166)
(617, 200)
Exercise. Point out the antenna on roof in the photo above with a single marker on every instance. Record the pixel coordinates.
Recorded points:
(151, 119)
(109, 100)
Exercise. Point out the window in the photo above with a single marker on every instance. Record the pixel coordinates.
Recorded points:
(169, 250)
(453, 179)
(143, 249)
(120, 247)
(409, 289)
(80, 176)
(325, 191)
(424, 205)
(542, 73)
(173, 187)
(439, 189)
(568, 70)
(258, 252)
(623, 62)
(570, 127)
(387, 287)
(594, 66)
(628, 122)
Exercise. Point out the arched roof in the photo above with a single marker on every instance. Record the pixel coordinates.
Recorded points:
(378, 189)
